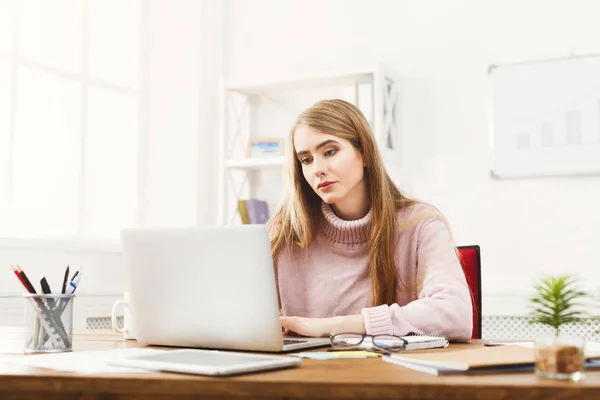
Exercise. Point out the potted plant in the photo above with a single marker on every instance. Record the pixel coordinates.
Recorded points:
(556, 302)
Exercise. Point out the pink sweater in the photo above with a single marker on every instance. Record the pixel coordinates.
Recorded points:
(331, 277)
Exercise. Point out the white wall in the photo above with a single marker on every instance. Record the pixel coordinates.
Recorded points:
(182, 71)
(444, 49)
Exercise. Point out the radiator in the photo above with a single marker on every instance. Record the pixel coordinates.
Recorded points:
(493, 328)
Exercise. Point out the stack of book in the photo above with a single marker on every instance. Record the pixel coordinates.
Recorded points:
(253, 211)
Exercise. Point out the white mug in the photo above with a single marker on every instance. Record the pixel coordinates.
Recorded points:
(127, 330)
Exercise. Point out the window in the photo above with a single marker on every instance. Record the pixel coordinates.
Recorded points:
(69, 116)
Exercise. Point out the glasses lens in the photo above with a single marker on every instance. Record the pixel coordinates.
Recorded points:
(346, 339)
(388, 342)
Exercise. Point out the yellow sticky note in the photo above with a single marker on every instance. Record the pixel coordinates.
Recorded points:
(355, 354)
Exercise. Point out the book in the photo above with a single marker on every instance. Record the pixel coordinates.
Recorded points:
(258, 211)
(428, 369)
(243, 211)
(469, 360)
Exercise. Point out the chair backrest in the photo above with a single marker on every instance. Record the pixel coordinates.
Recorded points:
(470, 260)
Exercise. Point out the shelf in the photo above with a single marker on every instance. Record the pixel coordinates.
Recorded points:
(255, 163)
(333, 79)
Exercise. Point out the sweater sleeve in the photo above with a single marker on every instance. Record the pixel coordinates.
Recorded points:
(443, 305)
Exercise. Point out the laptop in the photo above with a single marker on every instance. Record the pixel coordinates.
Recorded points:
(206, 287)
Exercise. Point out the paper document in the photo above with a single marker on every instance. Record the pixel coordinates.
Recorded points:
(87, 362)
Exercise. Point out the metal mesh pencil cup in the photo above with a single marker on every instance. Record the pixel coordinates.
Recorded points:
(48, 323)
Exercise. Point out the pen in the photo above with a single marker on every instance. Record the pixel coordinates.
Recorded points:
(46, 290)
(75, 274)
(64, 284)
(74, 284)
(73, 287)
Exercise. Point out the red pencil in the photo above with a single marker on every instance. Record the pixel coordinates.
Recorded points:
(20, 278)
(24, 280)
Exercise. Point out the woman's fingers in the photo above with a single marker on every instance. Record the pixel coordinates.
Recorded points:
(287, 322)
(314, 327)
(290, 324)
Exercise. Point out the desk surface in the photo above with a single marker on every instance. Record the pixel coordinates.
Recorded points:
(330, 379)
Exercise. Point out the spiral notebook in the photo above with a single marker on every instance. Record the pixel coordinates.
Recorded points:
(415, 341)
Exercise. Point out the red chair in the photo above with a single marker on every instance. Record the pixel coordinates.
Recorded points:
(470, 260)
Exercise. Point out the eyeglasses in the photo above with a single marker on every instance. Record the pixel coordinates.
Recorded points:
(385, 343)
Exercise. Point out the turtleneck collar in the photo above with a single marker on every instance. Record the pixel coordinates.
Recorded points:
(342, 231)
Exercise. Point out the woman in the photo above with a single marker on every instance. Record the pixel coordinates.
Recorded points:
(352, 253)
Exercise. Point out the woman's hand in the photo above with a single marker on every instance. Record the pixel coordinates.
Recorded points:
(322, 327)
(313, 327)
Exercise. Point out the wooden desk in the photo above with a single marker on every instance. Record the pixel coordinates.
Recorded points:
(331, 379)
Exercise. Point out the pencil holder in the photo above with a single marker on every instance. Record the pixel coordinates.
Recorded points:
(48, 325)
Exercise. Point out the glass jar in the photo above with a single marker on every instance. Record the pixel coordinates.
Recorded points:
(560, 357)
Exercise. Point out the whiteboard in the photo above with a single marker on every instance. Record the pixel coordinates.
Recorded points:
(545, 117)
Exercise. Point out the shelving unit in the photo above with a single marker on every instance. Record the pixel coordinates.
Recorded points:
(254, 163)
(269, 109)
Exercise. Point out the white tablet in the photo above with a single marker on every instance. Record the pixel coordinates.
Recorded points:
(206, 362)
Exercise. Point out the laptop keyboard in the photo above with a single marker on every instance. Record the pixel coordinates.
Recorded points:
(293, 341)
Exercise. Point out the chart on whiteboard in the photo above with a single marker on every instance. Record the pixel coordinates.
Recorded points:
(546, 117)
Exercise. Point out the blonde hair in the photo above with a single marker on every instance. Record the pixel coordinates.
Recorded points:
(299, 215)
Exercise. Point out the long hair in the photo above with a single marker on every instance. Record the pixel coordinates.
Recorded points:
(299, 215)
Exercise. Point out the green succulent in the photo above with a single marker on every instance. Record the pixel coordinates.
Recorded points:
(556, 301)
